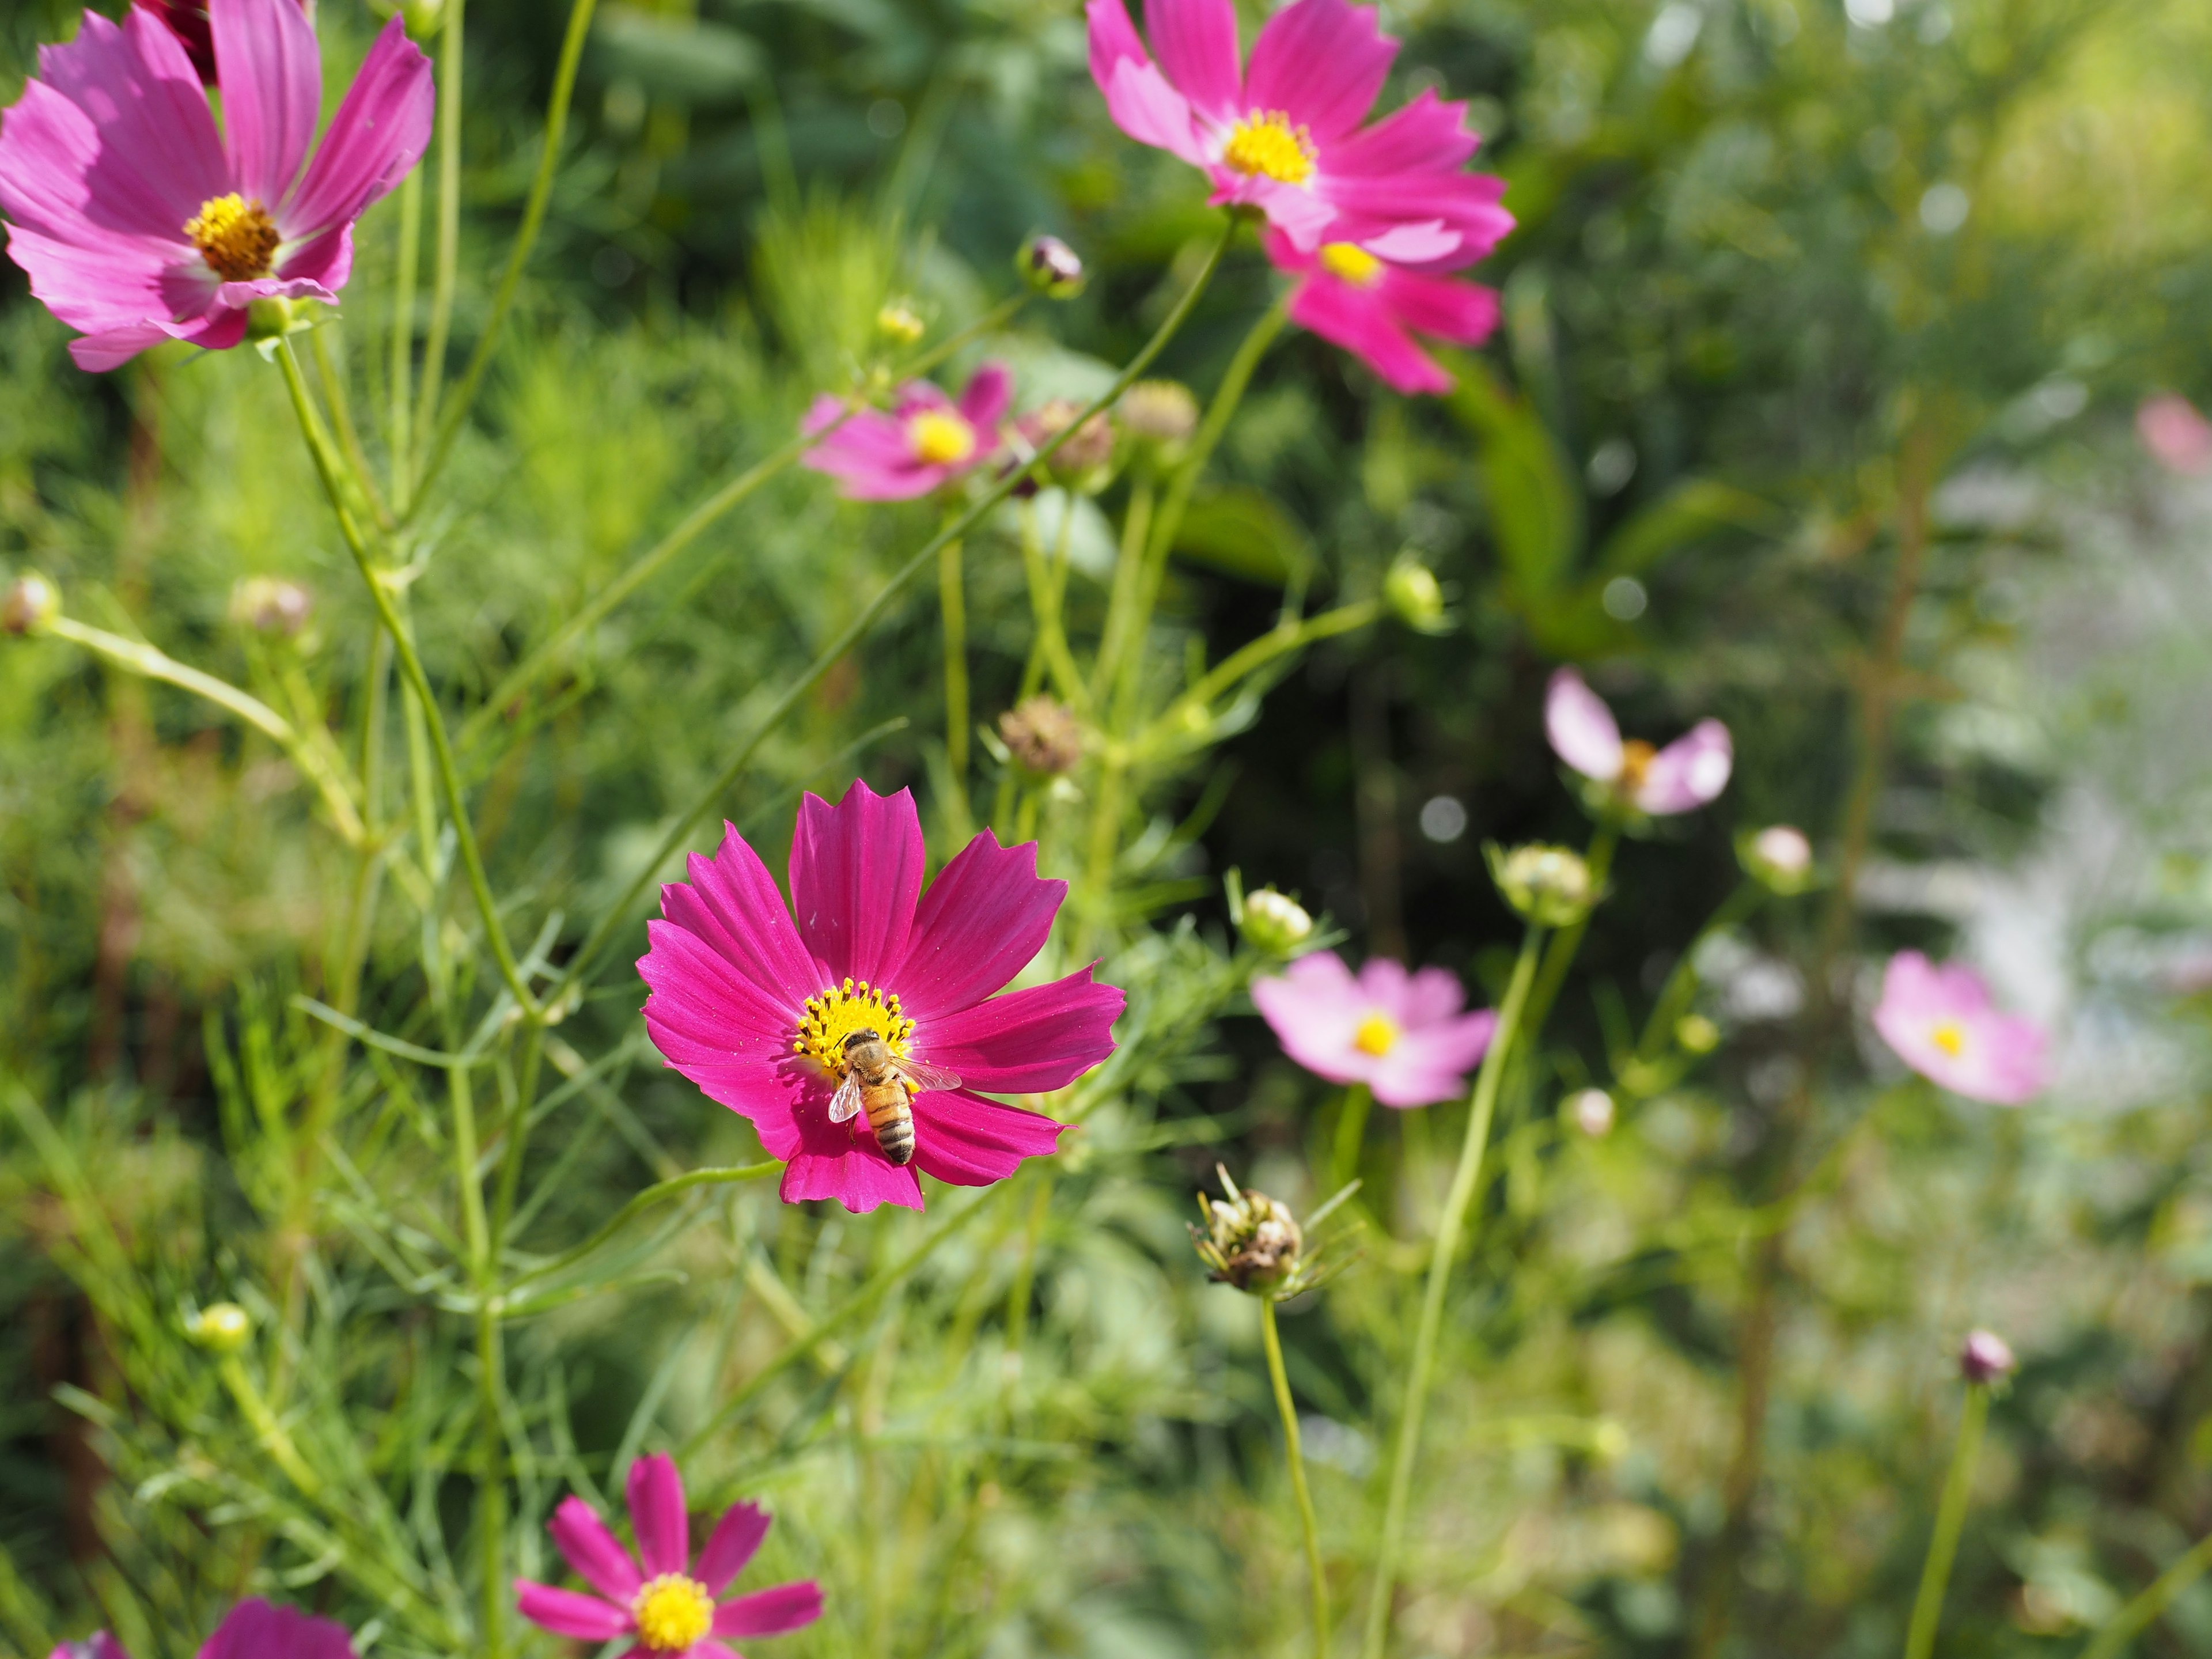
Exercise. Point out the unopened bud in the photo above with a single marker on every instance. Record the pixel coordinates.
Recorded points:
(424, 17)
(29, 604)
(1590, 1111)
(1043, 736)
(1275, 922)
(1985, 1359)
(268, 605)
(1251, 1241)
(1412, 592)
(1085, 464)
(1051, 267)
(897, 323)
(1161, 415)
(1779, 858)
(1550, 885)
(1696, 1034)
(223, 1328)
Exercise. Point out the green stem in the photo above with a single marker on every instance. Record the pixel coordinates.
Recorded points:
(525, 240)
(2133, 1619)
(1296, 1456)
(411, 667)
(491, 1483)
(1682, 980)
(858, 629)
(1351, 1133)
(401, 441)
(1568, 940)
(1465, 1179)
(1950, 1517)
(445, 280)
(657, 1192)
(953, 605)
(1258, 653)
(334, 388)
(267, 1429)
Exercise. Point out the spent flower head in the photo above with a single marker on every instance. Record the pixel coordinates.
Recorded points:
(1051, 267)
(30, 602)
(1550, 885)
(1045, 738)
(1160, 416)
(1084, 463)
(1253, 1243)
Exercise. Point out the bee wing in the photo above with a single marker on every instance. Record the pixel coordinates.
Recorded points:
(923, 1075)
(845, 1104)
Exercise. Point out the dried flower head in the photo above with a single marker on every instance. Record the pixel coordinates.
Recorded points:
(1547, 884)
(1253, 1242)
(1043, 736)
(1159, 413)
(29, 604)
(1985, 1358)
(1084, 463)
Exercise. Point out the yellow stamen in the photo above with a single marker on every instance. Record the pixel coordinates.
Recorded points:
(673, 1612)
(1265, 141)
(1950, 1036)
(1352, 262)
(1636, 759)
(236, 237)
(836, 1015)
(1377, 1034)
(940, 438)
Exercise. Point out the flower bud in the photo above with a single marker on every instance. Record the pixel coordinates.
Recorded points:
(1251, 1241)
(897, 324)
(1779, 858)
(1985, 1359)
(1590, 1111)
(1085, 464)
(224, 1328)
(268, 605)
(1161, 415)
(1043, 737)
(1275, 922)
(1696, 1034)
(1412, 592)
(424, 17)
(29, 604)
(1550, 885)
(1051, 267)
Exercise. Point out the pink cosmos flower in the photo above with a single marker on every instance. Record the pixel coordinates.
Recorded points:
(758, 1010)
(1939, 1021)
(252, 1629)
(2178, 438)
(669, 1606)
(1374, 308)
(138, 221)
(1400, 1034)
(923, 443)
(1679, 778)
(1283, 133)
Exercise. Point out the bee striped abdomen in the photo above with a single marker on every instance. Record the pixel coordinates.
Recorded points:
(892, 1119)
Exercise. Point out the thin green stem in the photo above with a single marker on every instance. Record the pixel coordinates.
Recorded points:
(2136, 1617)
(858, 629)
(1256, 654)
(660, 1192)
(1950, 1518)
(1682, 984)
(952, 605)
(334, 388)
(1568, 940)
(445, 282)
(1351, 1133)
(1295, 1455)
(518, 1135)
(400, 439)
(491, 1482)
(1465, 1180)
(267, 1429)
(525, 240)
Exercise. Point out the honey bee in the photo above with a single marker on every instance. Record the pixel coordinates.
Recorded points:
(884, 1083)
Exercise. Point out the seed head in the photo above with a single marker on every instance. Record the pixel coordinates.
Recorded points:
(1085, 464)
(1159, 414)
(1550, 885)
(1985, 1359)
(1044, 739)
(1051, 267)
(1251, 1241)
(1275, 922)
(30, 602)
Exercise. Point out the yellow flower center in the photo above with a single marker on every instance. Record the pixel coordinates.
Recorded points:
(1352, 262)
(836, 1015)
(236, 237)
(940, 438)
(1636, 759)
(1265, 141)
(1377, 1034)
(673, 1612)
(1950, 1036)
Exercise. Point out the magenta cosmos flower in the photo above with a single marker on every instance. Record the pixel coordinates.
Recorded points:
(1283, 134)
(667, 1604)
(138, 221)
(1939, 1021)
(761, 1012)
(1374, 308)
(2177, 436)
(252, 1629)
(1679, 778)
(1400, 1034)
(921, 444)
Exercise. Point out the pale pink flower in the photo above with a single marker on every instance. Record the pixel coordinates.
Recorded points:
(139, 222)
(1940, 1022)
(1403, 1034)
(923, 442)
(1374, 309)
(2178, 438)
(1679, 778)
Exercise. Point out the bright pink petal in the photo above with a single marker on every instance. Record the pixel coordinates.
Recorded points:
(858, 1177)
(965, 1140)
(770, 1612)
(1431, 242)
(1427, 136)
(855, 873)
(1299, 213)
(586, 1542)
(1322, 62)
(271, 71)
(1688, 772)
(1430, 1063)
(93, 288)
(98, 1645)
(656, 1515)
(1426, 998)
(1314, 1006)
(1462, 312)
(1355, 318)
(1143, 106)
(983, 920)
(1196, 41)
(1582, 728)
(376, 138)
(714, 1013)
(255, 1630)
(1028, 1041)
(733, 904)
(565, 1612)
(738, 1534)
(990, 393)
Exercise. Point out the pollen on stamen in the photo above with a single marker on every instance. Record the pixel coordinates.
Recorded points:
(236, 238)
(832, 1017)
(1265, 142)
